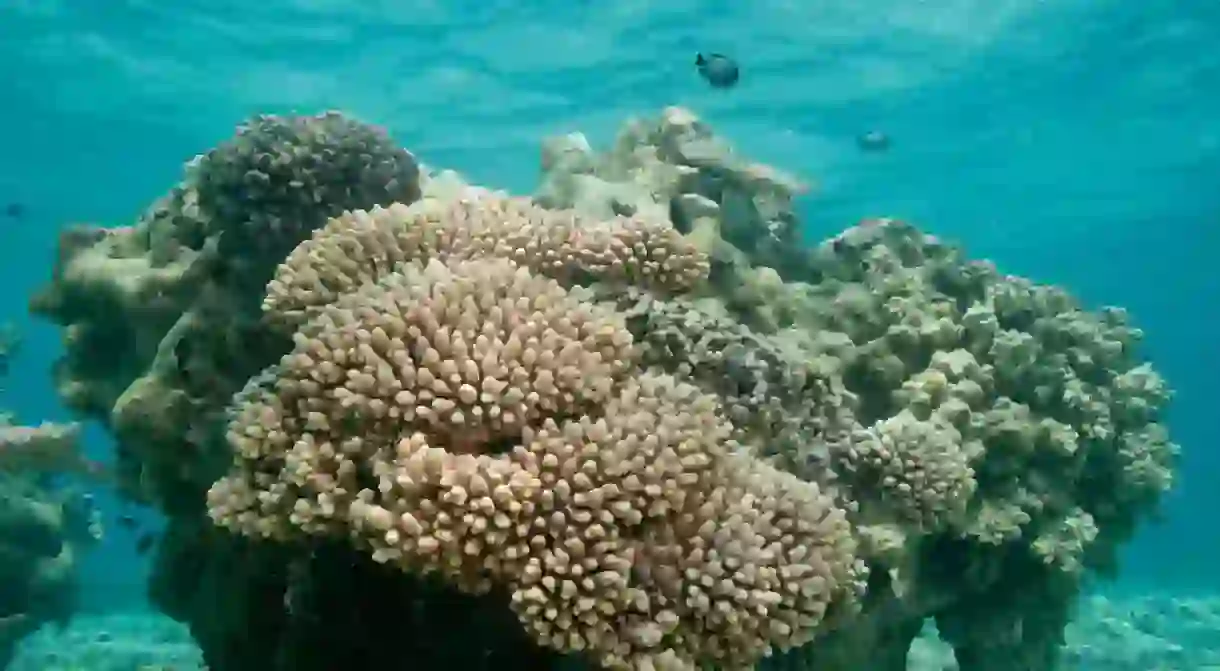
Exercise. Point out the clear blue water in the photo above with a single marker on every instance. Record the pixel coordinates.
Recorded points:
(1076, 142)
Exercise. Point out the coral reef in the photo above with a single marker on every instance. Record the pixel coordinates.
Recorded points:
(632, 422)
(44, 526)
(618, 499)
(196, 259)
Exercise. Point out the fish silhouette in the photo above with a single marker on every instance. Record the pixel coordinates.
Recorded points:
(718, 70)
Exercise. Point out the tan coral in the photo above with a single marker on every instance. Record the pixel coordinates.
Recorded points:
(911, 471)
(782, 404)
(359, 247)
(473, 351)
(469, 353)
(615, 511)
(637, 536)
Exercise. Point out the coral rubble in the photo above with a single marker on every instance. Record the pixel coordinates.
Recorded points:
(632, 421)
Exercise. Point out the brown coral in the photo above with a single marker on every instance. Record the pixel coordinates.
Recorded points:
(613, 508)
(781, 402)
(910, 471)
(358, 247)
(279, 178)
(473, 351)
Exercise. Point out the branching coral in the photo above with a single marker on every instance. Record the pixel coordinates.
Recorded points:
(988, 402)
(358, 247)
(1032, 384)
(912, 471)
(479, 421)
(1031, 381)
(662, 431)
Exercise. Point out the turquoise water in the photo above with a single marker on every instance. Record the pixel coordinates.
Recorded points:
(1075, 143)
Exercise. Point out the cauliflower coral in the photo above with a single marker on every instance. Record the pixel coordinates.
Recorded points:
(477, 419)
(356, 247)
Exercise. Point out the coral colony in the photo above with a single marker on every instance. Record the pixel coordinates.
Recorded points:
(632, 417)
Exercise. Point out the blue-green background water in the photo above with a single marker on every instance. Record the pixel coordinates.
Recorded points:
(1076, 142)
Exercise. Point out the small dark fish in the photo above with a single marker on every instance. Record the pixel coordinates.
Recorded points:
(719, 70)
(145, 542)
(128, 522)
(873, 140)
(14, 210)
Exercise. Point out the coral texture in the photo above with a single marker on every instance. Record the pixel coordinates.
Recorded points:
(356, 247)
(619, 519)
(279, 178)
(188, 277)
(635, 414)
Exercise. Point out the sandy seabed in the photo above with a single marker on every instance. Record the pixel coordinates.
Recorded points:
(1161, 631)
